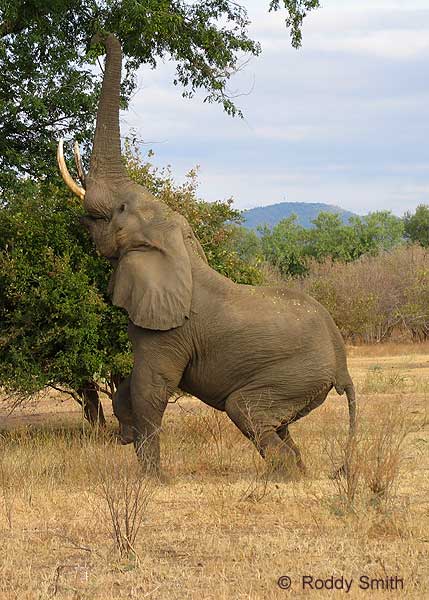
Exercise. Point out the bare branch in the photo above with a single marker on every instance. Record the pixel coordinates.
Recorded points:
(69, 392)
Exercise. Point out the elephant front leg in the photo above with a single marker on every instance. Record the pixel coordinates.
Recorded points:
(149, 397)
(123, 411)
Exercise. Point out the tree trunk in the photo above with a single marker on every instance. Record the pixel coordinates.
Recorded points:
(92, 408)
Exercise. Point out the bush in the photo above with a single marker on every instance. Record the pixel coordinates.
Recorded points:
(416, 226)
(56, 324)
(375, 297)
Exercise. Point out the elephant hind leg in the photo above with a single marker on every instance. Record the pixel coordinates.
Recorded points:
(284, 434)
(254, 425)
(317, 400)
(283, 430)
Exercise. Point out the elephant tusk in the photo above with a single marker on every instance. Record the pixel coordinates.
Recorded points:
(78, 163)
(68, 179)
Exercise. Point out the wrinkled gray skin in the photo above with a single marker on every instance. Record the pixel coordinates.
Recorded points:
(265, 356)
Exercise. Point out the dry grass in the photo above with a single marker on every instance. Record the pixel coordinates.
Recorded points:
(221, 526)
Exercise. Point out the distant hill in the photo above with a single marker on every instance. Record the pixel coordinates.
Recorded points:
(305, 211)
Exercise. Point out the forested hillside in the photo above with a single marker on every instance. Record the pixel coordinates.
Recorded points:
(305, 212)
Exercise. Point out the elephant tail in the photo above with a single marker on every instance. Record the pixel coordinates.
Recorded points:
(349, 389)
(351, 401)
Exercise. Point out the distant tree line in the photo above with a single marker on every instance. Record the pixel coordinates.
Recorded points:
(291, 248)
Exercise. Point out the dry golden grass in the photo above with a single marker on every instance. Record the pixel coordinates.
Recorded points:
(220, 526)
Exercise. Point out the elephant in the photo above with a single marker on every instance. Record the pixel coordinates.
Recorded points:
(267, 356)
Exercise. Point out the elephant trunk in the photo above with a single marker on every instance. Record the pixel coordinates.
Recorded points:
(107, 172)
(106, 163)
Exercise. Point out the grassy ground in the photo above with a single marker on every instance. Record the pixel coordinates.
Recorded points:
(221, 526)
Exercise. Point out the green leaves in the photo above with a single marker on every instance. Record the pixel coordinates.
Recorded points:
(284, 246)
(296, 12)
(46, 91)
(417, 226)
(289, 246)
(56, 325)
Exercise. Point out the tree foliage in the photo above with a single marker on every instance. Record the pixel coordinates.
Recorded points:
(296, 11)
(284, 246)
(417, 226)
(289, 247)
(247, 245)
(56, 325)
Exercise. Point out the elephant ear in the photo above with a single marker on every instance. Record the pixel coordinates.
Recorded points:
(154, 283)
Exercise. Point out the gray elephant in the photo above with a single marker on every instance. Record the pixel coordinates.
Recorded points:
(265, 356)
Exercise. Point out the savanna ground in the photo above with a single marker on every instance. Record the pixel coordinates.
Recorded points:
(221, 525)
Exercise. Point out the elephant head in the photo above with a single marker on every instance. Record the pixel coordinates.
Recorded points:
(144, 238)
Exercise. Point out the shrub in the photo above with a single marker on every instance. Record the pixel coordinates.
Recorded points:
(375, 297)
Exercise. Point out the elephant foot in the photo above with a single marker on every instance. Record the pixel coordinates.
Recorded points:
(148, 455)
(126, 434)
(282, 466)
(285, 475)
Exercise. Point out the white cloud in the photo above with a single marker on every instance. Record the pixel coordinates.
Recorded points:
(394, 44)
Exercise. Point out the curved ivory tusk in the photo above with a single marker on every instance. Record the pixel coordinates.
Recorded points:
(78, 163)
(68, 179)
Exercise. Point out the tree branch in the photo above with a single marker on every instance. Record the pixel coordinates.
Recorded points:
(69, 392)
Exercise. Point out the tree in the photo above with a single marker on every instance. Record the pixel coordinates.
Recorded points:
(48, 90)
(247, 245)
(289, 246)
(284, 246)
(57, 328)
(329, 237)
(376, 232)
(416, 226)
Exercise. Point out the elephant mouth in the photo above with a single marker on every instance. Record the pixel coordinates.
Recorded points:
(126, 243)
(121, 238)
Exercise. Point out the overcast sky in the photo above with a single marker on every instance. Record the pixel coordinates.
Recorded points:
(343, 120)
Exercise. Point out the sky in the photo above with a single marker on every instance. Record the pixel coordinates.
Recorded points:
(344, 120)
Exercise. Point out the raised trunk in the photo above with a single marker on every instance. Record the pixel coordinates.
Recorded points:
(106, 152)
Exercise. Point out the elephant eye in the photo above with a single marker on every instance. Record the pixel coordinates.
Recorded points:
(122, 207)
(97, 217)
